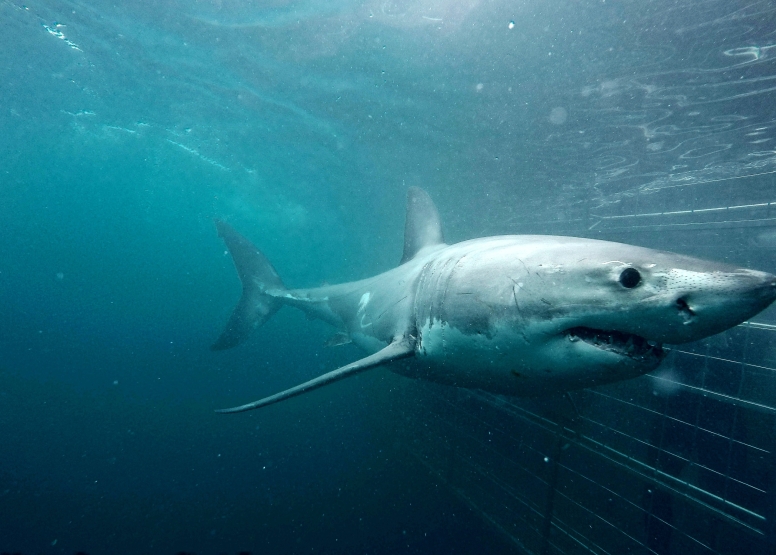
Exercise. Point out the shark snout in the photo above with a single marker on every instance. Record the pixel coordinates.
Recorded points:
(717, 302)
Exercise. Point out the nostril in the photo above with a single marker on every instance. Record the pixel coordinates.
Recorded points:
(684, 310)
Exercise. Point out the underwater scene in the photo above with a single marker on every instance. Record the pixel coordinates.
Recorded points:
(476, 276)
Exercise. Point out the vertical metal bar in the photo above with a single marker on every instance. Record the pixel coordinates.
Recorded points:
(769, 511)
(452, 454)
(770, 508)
(736, 410)
(551, 487)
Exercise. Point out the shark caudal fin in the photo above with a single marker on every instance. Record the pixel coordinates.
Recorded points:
(422, 227)
(257, 276)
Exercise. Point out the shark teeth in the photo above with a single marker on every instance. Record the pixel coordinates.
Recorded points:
(625, 344)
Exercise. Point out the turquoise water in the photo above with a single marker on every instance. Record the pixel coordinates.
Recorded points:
(125, 129)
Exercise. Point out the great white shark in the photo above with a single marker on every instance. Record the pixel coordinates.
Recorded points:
(520, 315)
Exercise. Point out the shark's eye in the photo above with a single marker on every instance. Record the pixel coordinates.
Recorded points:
(630, 278)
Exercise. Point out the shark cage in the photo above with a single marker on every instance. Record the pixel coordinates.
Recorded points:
(681, 461)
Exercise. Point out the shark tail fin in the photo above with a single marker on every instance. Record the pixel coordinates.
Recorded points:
(257, 275)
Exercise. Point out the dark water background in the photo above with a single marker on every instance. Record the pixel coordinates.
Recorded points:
(125, 128)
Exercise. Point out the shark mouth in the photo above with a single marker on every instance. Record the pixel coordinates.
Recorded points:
(624, 344)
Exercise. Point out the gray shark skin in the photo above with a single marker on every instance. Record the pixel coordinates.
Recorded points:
(518, 315)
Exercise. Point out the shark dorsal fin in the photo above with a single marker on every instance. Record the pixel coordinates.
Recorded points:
(422, 227)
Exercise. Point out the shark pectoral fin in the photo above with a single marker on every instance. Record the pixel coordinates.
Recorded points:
(400, 348)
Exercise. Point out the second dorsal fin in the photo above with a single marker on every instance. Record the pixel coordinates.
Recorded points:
(421, 227)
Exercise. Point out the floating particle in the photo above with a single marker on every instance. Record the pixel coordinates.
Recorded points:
(558, 116)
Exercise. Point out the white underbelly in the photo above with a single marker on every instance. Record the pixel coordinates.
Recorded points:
(505, 362)
(475, 360)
